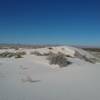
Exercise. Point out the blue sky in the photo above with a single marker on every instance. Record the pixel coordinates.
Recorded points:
(75, 22)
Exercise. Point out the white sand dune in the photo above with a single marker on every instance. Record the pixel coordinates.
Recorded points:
(63, 49)
(32, 78)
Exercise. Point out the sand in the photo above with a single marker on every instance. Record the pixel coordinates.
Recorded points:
(32, 78)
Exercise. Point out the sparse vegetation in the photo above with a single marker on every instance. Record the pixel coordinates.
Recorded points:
(18, 56)
(50, 48)
(92, 49)
(59, 59)
(36, 53)
(16, 48)
(6, 54)
(21, 53)
(85, 58)
(78, 55)
(11, 54)
(91, 60)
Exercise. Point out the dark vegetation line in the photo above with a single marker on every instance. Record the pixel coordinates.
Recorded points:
(14, 46)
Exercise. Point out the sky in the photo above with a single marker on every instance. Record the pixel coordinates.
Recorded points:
(72, 22)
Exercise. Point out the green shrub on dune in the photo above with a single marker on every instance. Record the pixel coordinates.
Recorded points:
(11, 54)
(58, 59)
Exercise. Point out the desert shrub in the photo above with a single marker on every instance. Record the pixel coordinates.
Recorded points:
(46, 54)
(91, 60)
(78, 55)
(18, 56)
(85, 58)
(36, 53)
(16, 48)
(50, 48)
(21, 53)
(63, 48)
(59, 59)
(6, 54)
(11, 54)
(69, 56)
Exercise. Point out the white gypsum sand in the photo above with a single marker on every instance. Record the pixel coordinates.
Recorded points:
(33, 78)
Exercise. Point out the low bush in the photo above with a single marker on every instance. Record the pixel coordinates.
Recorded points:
(21, 53)
(85, 58)
(50, 48)
(18, 56)
(6, 54)
(36, 53)
(59, 59)
(11, 54)
(91, 60)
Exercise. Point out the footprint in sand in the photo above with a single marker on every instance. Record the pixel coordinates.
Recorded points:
(29, 79)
